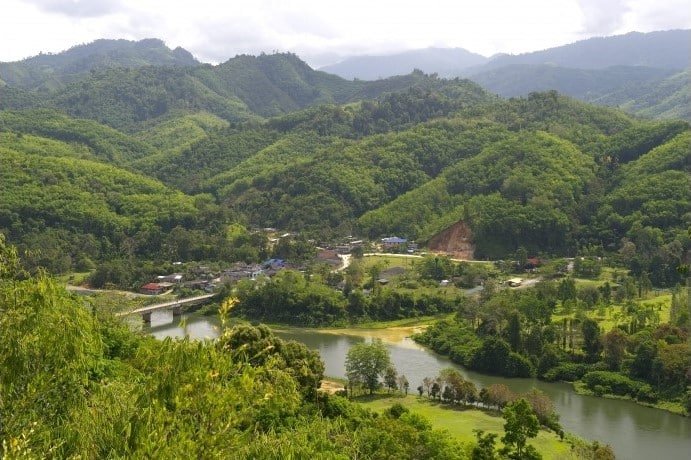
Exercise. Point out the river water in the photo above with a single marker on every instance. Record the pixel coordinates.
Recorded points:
(635, 432)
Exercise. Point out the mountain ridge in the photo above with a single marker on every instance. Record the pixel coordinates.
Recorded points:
(447, 62)
(52, 71)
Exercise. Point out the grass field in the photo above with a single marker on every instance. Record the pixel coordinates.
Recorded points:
(460, 423)
(74, 278)
(609, 317)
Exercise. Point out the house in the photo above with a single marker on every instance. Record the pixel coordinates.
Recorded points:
(532, 262)
(393, 241)
(197, 284)
(152, 289)
(241, 271)
(172, 278)
(329, 256)
(274, 264)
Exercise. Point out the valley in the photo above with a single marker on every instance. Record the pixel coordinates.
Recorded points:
(536, 242)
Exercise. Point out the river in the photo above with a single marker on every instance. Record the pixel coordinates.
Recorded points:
(635, 432)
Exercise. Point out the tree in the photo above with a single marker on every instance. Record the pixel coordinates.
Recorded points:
(427, 385)
(521, 258)
(591, 339)
(614, 344)
(567, 289)
(484, 449)
(390, 378)
(434, 391)
(644, 284)
(447, 394)
(10, 265)
(643, 359)
(603, 452)
(590, 295)
(366, 363)
(521, 423)
(498, 395)
(606, 291)
(513, 331)
(542, 405)
(403, 384)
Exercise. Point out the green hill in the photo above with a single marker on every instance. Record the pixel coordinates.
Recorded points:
(53, 71)
(646, 91)
(668, 97)
(546, 173)
(103, 142)
(72, 211)
(244, 88)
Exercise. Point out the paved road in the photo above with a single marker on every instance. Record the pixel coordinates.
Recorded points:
(417, 256)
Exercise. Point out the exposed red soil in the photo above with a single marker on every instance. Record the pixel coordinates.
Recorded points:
(456, 241)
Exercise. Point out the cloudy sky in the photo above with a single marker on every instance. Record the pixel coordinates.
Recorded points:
(322, 31)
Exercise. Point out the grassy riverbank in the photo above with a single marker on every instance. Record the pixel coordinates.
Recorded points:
(670, 406)
(394, 332)
(460, 423)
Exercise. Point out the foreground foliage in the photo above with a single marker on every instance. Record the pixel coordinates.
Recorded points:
(74, 384)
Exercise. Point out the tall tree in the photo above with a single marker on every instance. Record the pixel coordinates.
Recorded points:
(591, 339)
(513, 331)
(391, 378)
(614, 343)
(521, 423)
(366, 363)
(484, 449)
(403, 384)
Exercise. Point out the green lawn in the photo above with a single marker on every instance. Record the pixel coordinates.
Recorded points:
(74, 278)
(390, 261)
(460, 423)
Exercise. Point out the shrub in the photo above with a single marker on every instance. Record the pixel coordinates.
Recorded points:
(568, 372)
(612, 383)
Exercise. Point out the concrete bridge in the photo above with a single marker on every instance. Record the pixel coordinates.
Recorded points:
(175, 305)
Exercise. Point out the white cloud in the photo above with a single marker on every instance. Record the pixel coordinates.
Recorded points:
(321, 31)
(602, 17)
(77, 8)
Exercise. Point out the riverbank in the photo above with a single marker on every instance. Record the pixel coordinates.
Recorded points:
(460, 422)
(635, 432)
(669, 406)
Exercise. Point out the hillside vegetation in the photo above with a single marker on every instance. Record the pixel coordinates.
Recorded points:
(545, 173)
(53, 71)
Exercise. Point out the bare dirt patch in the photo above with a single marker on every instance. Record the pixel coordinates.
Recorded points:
(456, 241)
(331, 387)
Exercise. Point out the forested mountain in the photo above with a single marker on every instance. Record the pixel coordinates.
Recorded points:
(52, 71)
(447, 62)
(241, 89)
(646, 91)
(665, 98)
(546, 173)
(587, 84)
(410, 155)
(664, 49)
(643, 73)
(124, 84)
(65, 201)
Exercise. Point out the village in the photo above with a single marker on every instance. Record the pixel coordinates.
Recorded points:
(332, 254)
